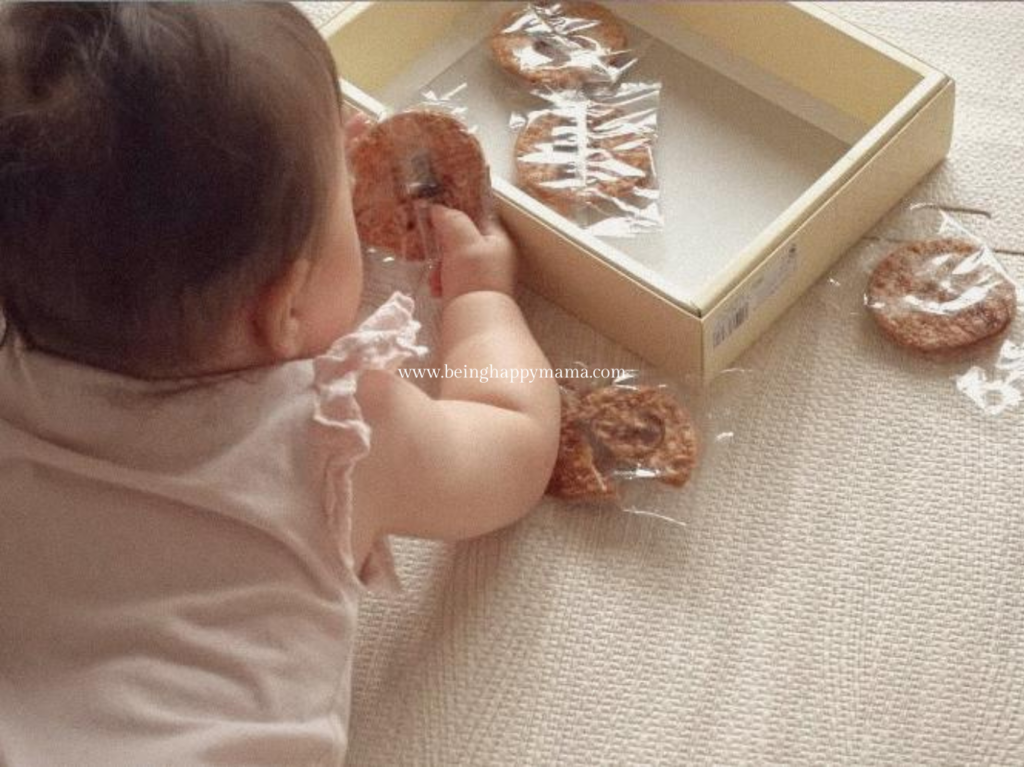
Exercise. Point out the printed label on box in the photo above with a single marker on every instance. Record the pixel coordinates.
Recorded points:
(765, 285)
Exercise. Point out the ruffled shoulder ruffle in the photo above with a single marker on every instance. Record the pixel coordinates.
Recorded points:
(385, 340)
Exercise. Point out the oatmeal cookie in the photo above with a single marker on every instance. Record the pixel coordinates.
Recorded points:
(644, 426)
(579, 153)
(403, 164)
(576, 476)
(618, 430)
(940, 295)
(559, 44)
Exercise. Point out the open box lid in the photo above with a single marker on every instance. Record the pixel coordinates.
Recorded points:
(770, 106)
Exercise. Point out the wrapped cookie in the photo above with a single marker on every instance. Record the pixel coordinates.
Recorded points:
(404, 164)
(943, 302)
(564, 44)
(638, 443)
(591, 158)
(620, 432)
(941, 294)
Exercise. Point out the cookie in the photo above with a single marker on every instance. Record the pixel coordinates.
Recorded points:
(940, 295)
(617, 430)
(576, 475)
(644, 427)
(582, 153)
(404, 163)
(559, 44)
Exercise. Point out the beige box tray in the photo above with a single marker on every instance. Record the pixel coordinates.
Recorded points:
(784, 134)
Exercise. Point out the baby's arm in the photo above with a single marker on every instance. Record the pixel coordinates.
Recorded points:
(478, 457)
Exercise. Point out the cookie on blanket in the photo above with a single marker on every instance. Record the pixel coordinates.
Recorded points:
(645, 427)
(581, 153)
(559, 44)
(940, 295)
(404, 163)
(615, 431)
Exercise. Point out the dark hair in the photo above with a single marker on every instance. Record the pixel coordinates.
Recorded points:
(159, 164)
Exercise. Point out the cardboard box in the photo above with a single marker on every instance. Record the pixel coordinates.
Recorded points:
(785, 133)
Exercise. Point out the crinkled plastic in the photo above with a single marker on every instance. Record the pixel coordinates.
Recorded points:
(945, 300)
(590, 156)
(637, 442)
(382, 276)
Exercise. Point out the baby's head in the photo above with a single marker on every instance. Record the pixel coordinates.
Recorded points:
(173, 196)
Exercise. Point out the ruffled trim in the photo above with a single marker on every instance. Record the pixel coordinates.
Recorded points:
(385, 340)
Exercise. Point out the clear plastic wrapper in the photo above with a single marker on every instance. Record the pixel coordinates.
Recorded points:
(383, 275)
(943, 300)
(562, 44)
(640, 443)
(591, 157)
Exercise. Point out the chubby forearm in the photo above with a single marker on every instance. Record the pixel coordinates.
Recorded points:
(465, 468)
(489, 470)
(485, 330)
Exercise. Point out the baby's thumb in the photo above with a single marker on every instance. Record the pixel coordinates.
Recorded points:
(453, 228)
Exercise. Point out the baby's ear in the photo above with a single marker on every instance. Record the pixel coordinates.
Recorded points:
(277, 323)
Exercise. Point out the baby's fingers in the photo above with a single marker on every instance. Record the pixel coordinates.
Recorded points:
(495, 231)
(453, 228)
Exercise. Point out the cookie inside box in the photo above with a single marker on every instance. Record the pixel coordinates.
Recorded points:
(736, 145)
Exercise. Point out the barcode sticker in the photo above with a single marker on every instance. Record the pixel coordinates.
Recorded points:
(764, 287)
(730, 323)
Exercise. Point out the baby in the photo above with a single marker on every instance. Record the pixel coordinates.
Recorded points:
(201, 457)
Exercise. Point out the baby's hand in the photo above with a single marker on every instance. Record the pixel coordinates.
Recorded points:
(471, 259)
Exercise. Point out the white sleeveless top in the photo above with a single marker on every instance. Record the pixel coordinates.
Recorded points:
(176, 579)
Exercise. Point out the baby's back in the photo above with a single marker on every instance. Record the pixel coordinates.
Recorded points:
(170, 590)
